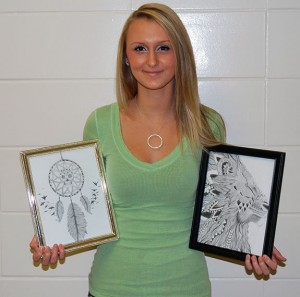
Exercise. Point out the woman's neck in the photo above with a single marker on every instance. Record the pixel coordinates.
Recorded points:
(155, 105)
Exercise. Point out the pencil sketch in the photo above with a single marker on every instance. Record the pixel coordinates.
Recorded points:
(232, 200)
(68, 196)
(66, 179)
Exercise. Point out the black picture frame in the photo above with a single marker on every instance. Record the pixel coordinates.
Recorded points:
(237, 201)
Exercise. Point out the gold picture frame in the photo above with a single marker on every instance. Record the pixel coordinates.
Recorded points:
(68, 195)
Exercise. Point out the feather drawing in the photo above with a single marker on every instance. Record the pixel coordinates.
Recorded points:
(76, 222)
(59, 210)
(86, 203)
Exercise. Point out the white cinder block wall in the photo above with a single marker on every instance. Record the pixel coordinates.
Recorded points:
(57, 64)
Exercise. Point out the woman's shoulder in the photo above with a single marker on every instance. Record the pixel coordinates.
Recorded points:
(98, 120)
(209, 112)
(104, 110)
(101, 114)
(215, 122)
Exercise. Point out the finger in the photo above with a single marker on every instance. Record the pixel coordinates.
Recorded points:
(264, 268)
(46, 256)
(36, 249)
(33, 243)
(54, 255)
(272, 263)
(61, 252)
(248, 263)
(256, 266)
(278, 255)
(37, 254)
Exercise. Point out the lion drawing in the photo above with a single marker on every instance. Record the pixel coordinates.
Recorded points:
(231, 201)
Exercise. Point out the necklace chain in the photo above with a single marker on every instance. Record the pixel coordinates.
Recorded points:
(154, 137)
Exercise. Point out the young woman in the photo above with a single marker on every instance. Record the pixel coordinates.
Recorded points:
(151, 142)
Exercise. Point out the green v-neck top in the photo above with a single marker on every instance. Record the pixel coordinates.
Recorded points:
(153, 204)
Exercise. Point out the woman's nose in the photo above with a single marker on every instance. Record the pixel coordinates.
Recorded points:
(152, 58)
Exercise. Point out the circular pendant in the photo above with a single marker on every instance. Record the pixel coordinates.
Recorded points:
(155, 138)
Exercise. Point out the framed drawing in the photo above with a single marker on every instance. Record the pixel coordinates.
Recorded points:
(237, 201)
(68, 196)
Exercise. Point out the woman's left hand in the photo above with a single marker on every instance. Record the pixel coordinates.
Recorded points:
(264, 265)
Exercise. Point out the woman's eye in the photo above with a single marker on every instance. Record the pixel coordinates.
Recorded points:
(139, 48)
(164, 48)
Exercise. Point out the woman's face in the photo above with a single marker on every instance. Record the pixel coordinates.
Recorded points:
(150, 55)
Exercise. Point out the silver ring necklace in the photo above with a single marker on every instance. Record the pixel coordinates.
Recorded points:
(155, 136)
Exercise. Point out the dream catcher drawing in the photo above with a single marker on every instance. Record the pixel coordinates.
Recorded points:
(68, 196)
(66, 179)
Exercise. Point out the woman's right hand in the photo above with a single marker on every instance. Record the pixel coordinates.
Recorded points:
(46, 255)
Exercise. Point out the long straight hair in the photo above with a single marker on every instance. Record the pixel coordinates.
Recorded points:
(191, 115)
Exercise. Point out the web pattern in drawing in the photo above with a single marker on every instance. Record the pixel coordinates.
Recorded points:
(232, 200)
(66, 179)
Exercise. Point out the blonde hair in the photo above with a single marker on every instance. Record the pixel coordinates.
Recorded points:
(192, 117)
